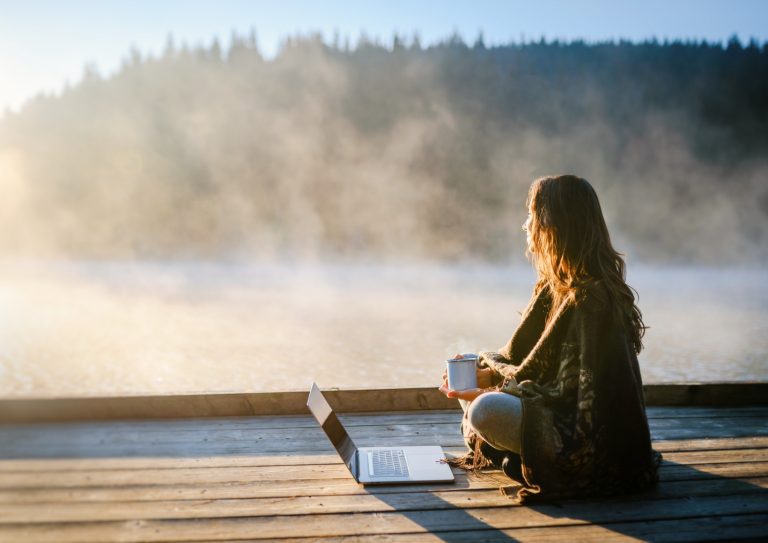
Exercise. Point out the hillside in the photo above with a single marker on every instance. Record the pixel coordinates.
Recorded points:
(392, 152)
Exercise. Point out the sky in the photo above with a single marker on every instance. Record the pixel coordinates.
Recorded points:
(46, 43)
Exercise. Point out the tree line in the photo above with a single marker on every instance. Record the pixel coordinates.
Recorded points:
(391, 151)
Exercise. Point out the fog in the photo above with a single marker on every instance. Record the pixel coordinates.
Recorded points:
(391, 152)
(208, 220)
(85, 329)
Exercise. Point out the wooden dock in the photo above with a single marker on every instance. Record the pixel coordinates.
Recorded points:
(276, 477)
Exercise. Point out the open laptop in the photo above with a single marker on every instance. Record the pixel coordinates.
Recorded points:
(379, 465)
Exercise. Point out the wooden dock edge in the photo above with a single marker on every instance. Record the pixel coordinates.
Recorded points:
(344, 401)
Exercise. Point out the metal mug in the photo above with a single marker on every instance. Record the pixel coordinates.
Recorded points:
(462, 372)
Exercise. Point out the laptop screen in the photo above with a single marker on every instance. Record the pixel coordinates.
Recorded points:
(332, 427)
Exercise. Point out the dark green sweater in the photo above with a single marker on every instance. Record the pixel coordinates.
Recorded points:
(584, 428)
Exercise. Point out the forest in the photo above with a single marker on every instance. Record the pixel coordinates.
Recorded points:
(391, 151)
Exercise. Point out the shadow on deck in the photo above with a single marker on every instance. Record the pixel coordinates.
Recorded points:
(276, 477)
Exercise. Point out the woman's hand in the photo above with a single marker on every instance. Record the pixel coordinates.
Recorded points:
(470, 393)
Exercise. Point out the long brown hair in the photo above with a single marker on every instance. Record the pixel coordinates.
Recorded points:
(571, 248)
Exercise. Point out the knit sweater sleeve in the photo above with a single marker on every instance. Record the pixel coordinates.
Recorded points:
(505, 362)
(502, 368)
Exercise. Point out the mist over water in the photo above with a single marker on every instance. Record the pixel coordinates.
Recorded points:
(92, 329)
(209, 220)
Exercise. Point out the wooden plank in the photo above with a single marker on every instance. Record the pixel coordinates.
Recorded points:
(248, 507)
(686, 411)
(52, 479)
(728, 428)
(218, 405)
(716, 456)
(132, 497)
(244, 489)
(716, 528)
(176, 476)
(224, 450)
(294, 458)
(680, 472)
(23, 410)
(274, 455)
(749, 442)
(15, 513)
(422, 521)
(241, 423)
(710, 394)
(322, 487)
(181, 426)
(349, 420)
(170, 463)
(106, 438)
(98, 436)
(308, 444)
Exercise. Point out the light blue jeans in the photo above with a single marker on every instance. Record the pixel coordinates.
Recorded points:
(497, 419)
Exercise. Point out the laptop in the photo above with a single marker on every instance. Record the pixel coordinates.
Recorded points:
(379, 465)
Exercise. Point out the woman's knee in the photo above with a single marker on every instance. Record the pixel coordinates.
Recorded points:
(484, 411)
(496, 417)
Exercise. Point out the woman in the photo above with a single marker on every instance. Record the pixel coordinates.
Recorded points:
(560, 407)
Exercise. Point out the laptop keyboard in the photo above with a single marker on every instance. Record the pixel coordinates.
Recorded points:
(389, 463)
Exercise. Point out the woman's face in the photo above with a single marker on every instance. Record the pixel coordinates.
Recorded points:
(527, 228)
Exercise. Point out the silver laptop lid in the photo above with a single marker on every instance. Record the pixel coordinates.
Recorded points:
(332, 427)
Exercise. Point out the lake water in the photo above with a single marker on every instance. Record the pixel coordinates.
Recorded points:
(94, 329)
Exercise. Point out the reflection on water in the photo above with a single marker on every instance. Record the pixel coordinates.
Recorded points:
(106, 329)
